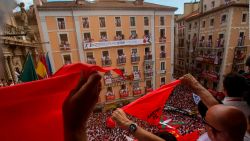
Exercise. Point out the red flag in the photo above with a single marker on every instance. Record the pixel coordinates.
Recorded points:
(33, 111)
(149, 107)
(110, 123)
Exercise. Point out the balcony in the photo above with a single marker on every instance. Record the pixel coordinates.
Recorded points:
(135, 59)
(108, 79)
(162, 55)
(137, 75)
(64, 46)
(123, 93)
(133, 36)
(240, 54)
(162, 39)
(121, 60)
(213, 76)
(148, 56)
(220, 43)
(163, 72)
(106, 62)
(91, 60)
(137, 91)
(146, 39)
(110, 97)
(148, 74)
(119, 37)
(148, 89)
(202, 43)
(241, 42)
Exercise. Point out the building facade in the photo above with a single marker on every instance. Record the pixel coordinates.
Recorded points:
(19, 36)
(137, 37)
(216, 41)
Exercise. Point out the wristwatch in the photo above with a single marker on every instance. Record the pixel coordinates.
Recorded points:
(132, 127)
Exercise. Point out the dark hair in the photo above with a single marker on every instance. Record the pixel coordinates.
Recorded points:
(202, 108)
(166, 136)
(235, 85)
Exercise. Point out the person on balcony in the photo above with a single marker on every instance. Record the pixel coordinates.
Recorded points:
(123, 58)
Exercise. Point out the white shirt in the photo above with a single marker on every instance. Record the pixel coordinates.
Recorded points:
(239, 103)
(204, 137)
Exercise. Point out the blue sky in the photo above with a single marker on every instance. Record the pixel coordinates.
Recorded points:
(175, 3)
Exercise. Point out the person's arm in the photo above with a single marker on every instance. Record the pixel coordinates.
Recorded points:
(142, 135)
(78, 106)
(206, 97)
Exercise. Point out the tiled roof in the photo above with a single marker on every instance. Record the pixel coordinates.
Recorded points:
(103, 5)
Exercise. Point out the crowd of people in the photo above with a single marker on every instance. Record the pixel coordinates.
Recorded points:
(181, 98)
(98, 130)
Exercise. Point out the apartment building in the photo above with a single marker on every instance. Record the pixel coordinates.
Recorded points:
(135, 36)
(216, 41)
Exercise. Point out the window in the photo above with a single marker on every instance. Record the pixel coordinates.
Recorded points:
(109, 91)
(119, 35)
(102, 22)
(146, 32)
(85, 22)
(162, 32)
(61, 23)
(146, 21)
(211, 22)
(87, 37)
(195, 25)
(105, 53)
(64, 40)
(132, 21)
(118, 21)
(67, 59)
(163, 81)
(163, 66)
(103, 35)
(135, 68)
(205, 7)
(212, 4)
(90, 55)
(244, 18)
(147, 50)
(190, 26)
(120, 52)
(134, 50)
(162, 21)
(148, 84)
(223, 18)
(136, 85)
(203, 24)
(133, 34)
(163, 48)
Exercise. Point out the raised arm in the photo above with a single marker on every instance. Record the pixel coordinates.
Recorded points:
(142, 135)
(78, 106)
(206, 97)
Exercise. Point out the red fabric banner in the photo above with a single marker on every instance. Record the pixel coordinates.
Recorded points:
(149, 107)
(33, 111)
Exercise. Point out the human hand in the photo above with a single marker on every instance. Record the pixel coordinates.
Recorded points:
(189, 80)
(120, 118)
(79, 104)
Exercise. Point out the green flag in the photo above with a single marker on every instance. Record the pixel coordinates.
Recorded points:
(29, 71)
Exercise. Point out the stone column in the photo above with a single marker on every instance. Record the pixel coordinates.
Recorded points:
(12, 69)
(7, 69)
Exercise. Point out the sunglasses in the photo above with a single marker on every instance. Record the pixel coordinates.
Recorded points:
(206, 123)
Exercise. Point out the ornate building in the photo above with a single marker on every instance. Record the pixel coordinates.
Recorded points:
(18, 37)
